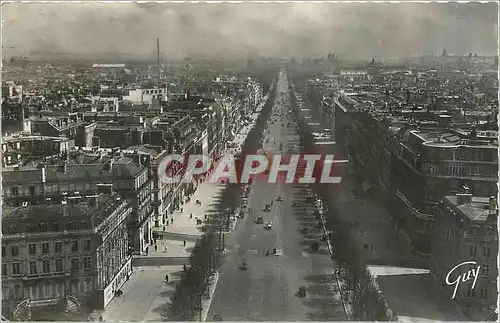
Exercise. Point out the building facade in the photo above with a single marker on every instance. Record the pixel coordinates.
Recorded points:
(63, 257)
(466, 230)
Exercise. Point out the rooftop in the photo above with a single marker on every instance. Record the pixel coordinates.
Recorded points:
(476, 209)
(90, 210)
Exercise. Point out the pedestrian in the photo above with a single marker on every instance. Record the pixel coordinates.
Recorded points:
(164, 227)
(147, 250)
(166, 278)
(191, 215)
(182, 210)
(156, 247)
(184, 242)
(206, 217)
(171, 221)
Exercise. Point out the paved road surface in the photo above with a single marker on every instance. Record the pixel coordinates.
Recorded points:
(266, 291)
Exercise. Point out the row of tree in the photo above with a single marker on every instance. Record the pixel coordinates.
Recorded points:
(206, 256)
(361, 289)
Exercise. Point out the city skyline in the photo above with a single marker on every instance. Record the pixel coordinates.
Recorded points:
(247, 30)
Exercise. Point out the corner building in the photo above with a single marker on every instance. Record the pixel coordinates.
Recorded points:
(62, 260)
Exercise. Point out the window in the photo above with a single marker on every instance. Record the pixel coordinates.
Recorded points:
(43, 227)
(15, 191)
(16, 269)
(47, 291)
(32, 249)
(75, 264)
(486, 251)
(483, 292)
(74, 245)
(46, 267)
(74, 287)
(55, 226)
(87, 263)
(12, 229)
(14, 250)
(473, 250)
(33, 269)
(4, 269)
(485, 270)
(32, 190)
(33, 290)
(58, 246)
(45, 247)
(18, 292)
(70, 226)
(59, 265)
(4, 251)
(86, 245)
(87, 285)
(471, 292)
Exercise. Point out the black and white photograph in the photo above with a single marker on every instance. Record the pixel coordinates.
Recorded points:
(251, 161)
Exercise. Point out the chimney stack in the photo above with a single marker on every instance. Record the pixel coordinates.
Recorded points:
(464, 198)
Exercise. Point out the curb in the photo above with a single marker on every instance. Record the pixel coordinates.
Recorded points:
(210, 298)
(337, 280)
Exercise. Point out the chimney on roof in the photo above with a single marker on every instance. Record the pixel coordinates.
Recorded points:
(492, 207)
(465, 197)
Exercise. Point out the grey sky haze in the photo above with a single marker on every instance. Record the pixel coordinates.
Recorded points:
(249, 29)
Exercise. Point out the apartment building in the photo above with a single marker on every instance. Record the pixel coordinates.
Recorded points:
(466, 230)
(66, 256)
(81, 173)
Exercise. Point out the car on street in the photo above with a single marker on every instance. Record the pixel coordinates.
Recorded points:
(267, 208)
(260, 220)
(296, 204)
(301, 292)
(268, 226)
(280, 198)
(278, 252)
(243, 266)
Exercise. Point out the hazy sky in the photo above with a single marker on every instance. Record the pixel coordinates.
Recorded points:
(215, 30)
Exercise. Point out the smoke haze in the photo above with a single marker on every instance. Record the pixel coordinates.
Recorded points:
(249, 29)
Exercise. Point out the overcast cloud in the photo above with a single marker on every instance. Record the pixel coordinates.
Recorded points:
(245, 30)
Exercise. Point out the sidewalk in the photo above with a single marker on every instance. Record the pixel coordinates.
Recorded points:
(145, 295)
(370, 224)
(185, 228)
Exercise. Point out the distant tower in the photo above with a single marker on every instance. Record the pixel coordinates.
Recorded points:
(445, 53)
(158, 59)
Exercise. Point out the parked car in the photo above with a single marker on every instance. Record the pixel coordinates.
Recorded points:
(301, 292)
(268, 226)
(243, 266)
(267, 208)
(260, 220)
